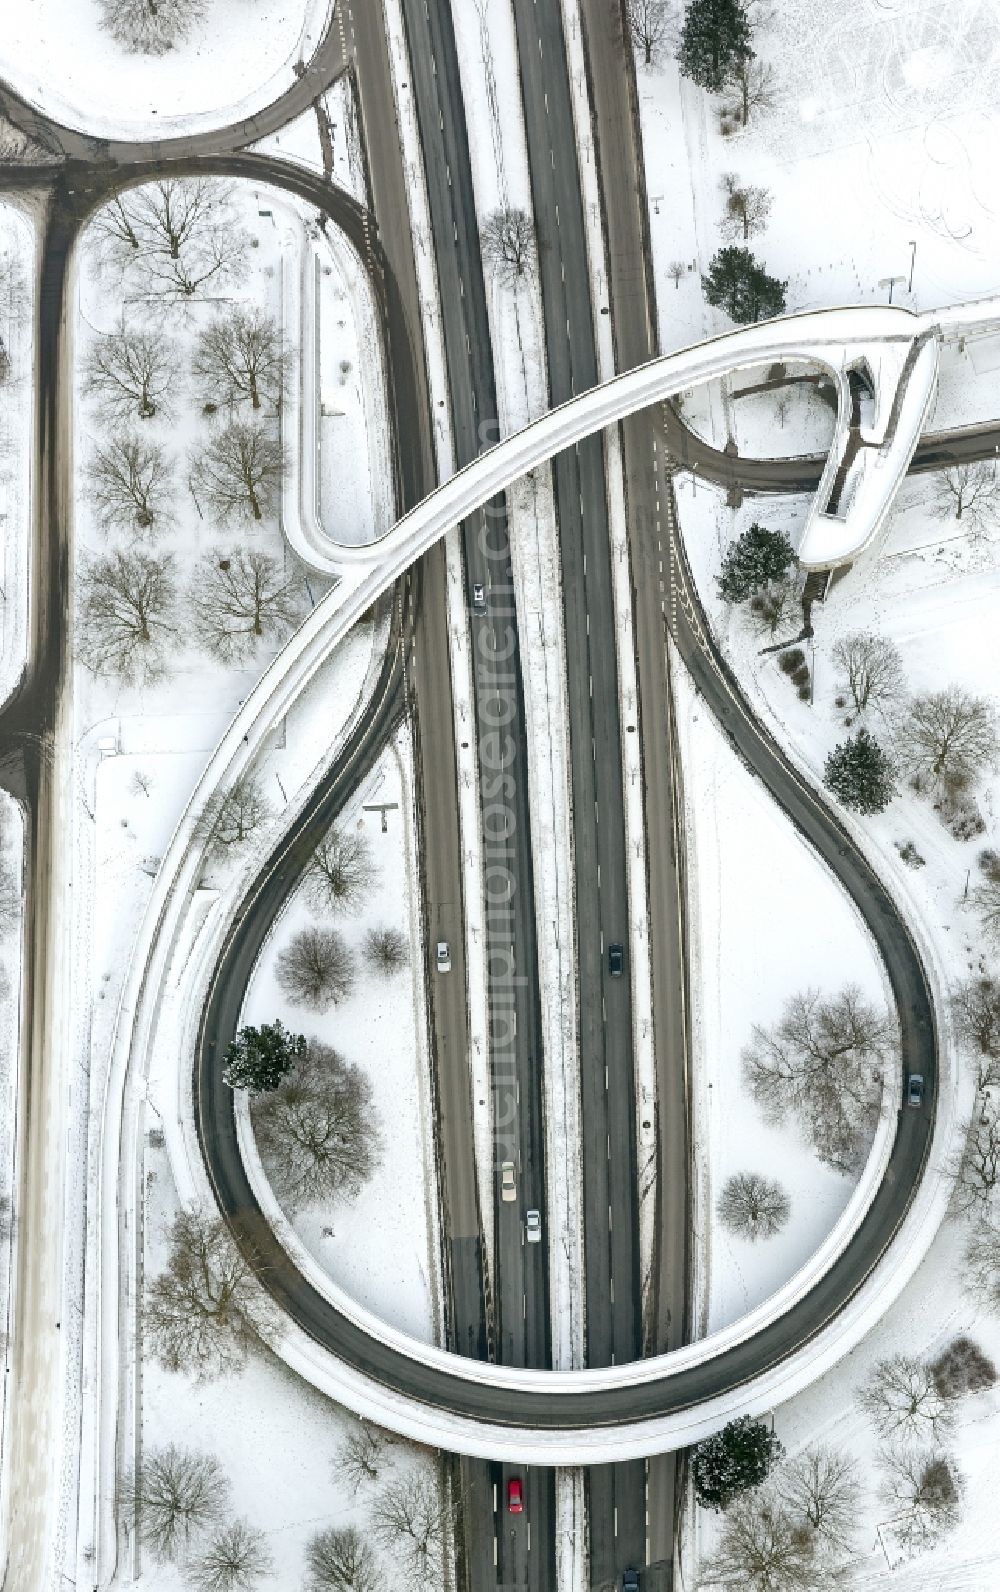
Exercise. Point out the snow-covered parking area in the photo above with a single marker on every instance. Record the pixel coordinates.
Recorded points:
(235, 59)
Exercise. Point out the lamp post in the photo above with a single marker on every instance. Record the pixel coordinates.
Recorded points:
(890, 283)
(913, 261)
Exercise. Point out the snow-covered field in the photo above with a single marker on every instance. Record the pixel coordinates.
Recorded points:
(933, 588)
(877, 152)
(235, 60)
(379, 1246)
(746, 868)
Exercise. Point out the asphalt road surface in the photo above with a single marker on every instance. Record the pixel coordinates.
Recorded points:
(524, 1544)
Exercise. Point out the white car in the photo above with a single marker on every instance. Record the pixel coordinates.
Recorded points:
(533, 1227)
(443, 957)
(508, 1182)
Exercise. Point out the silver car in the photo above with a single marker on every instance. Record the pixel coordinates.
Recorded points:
(533, 1227)
(508, 1182)
(443, 957)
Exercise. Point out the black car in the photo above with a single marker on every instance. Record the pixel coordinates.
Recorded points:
(630, 1581)
(616, 960)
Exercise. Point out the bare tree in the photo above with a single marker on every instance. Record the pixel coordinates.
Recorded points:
(205, 1311)
(963, 1368)
(950, 736)
(823, 1064)
(150, 27)
(976, 1008)
(235, 1560)
(649, 27)
(361, 1457)
(342, 1561)
(872, 669)
(129, 478)
(239, 470)
(753, 1206)
(317, 1130)
(241, 599)
(342, 872)
(410, 1516)
(508, 243)
(132, 374)
(981, 1263)
(127, 615)
(316, 969)
(773, 603)
(902, 1402)
(747, 208)
(755, 81)
(986, 900)
(387, 949)
(230, 819)
(181, 233)
(174, 1494)
(977, 1169)
(240, 356)
(968, 491)
(764, 1547)
(822, 1486)
(675, 270)
(923, 1488)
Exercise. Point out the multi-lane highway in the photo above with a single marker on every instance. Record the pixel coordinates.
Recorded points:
(32, 713)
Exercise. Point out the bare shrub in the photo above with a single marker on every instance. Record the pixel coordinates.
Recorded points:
(205, 1311)
(235, 1560)
(316, 969)
(923, 1488)
(387, 949)
(233, 817)
(174, 1494)
(976, 1008)
(361, 1457)
(753, 1206)
(902, 1401)
(823, 1065)
(962, 1368)
(317, 1130)
(342, 872)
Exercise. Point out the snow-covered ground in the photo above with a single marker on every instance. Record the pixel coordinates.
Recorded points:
(17, 277)
(775, 423)
(933, 588)
(747, 867)
(235, 60)
(377, 1246)
(11, 915)
(877, 153)
(277, 1440)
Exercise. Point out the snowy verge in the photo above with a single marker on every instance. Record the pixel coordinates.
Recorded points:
(17, 335)
(12, 1016)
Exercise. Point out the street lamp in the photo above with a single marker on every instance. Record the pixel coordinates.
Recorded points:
(913, 260)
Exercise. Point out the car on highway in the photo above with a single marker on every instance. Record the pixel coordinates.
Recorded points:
(616, 960)
(915, 1089)
(478, 597)
(533, 1227)
(508, 1182)
(515, 1496)
(630, 1581)
(443, 956)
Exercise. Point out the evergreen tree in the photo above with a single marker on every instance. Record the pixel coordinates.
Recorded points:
(757, 557)
(733, 1460)
(259, 1058)
(715, 42)
(860, 774)
(737, 283)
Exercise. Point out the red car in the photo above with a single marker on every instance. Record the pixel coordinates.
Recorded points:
(515, 1497)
